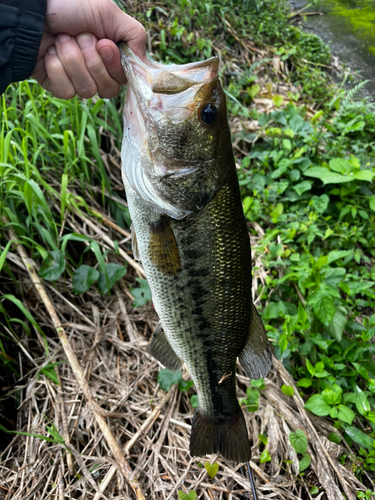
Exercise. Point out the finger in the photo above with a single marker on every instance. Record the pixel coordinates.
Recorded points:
(57, 80)
(74, 64)
(111, 58)
(107, 86)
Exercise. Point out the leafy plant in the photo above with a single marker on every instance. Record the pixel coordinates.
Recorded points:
(211, 469)
(141, 294)
(299, 442)
(192, 495)
(252, 395)
(167, 379)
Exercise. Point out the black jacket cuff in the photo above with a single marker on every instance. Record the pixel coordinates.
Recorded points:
(21, 29)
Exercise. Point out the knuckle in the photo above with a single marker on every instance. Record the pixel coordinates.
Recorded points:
(86, 93)
(67, 93)
(109, 92)
(140, 32)
(96, 68)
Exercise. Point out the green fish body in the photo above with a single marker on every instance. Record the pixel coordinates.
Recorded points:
(190, 233)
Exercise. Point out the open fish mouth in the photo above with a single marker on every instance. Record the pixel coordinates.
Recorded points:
(173, 91)
(165, 140)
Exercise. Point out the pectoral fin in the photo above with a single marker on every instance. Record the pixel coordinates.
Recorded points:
(256, 357)
(162, 350)
(163, 250)
(134, 243)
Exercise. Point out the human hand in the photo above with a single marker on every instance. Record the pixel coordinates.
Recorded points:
(78, 53)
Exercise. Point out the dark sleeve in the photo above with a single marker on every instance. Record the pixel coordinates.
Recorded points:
(21, 28)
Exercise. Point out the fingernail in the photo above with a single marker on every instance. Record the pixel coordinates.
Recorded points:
(84, 41)
(63, 37)
(106, 52)
(51, 50)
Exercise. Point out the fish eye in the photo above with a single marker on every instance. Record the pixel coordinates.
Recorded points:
(208, 114)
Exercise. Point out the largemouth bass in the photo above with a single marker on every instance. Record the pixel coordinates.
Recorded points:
(190, 233)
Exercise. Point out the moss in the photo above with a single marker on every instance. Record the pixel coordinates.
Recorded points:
(361, 16)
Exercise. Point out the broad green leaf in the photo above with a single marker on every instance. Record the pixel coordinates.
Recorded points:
(273, 310)
(361, 370)
(361, 402)
(326, 176)
(141, 295)
(302, 187)
(194, 401)
(340, 165)
(314, 490)
(53, 266)
(298, 440)
(372, 202)
(278, 100)
(263, 439)
(334, 412)
(83, 278)
(114, 272)
(304, 462)
(287, 390)
(253, 90)
(334, 275)
(318, 406)
(211, 469)
(323, 308)
(345, 414)
(364, 175)
(187, 496)
(337, 325)
(320, 203)
(335, 438)
(332, 396)
(370, 415)
(310, 367)
(258, 384)
(359, 437)
(304, 382)
(166, 379)
(338, 254)
(265, 457)
(184, 385)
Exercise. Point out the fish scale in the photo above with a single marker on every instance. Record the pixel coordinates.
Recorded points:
(193, 242)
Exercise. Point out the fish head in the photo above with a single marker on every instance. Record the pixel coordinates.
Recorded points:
(176, 150)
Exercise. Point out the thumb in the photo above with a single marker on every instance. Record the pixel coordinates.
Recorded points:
(129, 30)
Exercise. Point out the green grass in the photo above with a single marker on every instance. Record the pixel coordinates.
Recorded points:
(307, 181)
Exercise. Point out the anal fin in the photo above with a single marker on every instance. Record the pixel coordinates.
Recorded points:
(162, 350)
(256, 356)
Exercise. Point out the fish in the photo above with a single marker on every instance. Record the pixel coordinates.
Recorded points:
(190, 233)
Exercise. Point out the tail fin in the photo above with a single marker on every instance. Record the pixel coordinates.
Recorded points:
(229, 437)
